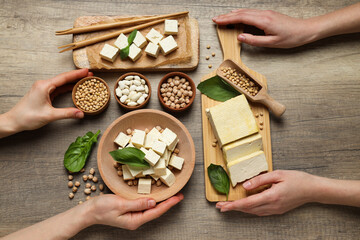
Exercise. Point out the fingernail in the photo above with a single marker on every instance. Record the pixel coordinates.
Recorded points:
(241, 37)
(224, 210)
(247, 184)
(214, 18)
(79, 114)
(151, 203)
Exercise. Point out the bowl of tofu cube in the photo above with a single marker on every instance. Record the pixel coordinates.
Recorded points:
(132, 91)
(161, 142)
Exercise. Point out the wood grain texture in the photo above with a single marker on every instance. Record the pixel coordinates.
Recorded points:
(319, 132)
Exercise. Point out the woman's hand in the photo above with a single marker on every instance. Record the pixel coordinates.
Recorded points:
(289, 190)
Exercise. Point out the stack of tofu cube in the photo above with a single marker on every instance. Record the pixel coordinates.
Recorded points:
(235, 128)
(158, 148)
(156, 42)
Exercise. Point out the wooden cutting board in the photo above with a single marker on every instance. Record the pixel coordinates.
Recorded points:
(81, 58)
(231, 50)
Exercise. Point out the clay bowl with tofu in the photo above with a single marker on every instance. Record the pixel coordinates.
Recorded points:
(165, 94)
(142, 119)
(124, 105)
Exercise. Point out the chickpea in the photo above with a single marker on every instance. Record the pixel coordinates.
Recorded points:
(88, 185)
(95, 179)
(176, 150)
(77, 184)
(130, 182)
(101, 187)
(93, 188)
(71, 195)
(82, 170)
(92, 171)
(74, 189)
(70, 177)
(135, 182)
(90, 177)
(158, 183)
(80, 202)
(87, 198)
(87, 191)
(70, 184)
(85, 178)
(152, 181)
(119, 173)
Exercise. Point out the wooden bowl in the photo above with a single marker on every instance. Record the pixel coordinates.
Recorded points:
(100, 109)
(141, 119)
(181, 75)
(138, 106)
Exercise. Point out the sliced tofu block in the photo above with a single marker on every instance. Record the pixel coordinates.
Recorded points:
(153, 135)
(144, 186)
(139, 40)
(242, 147)
(171, 27)
(176, 162)
(232, 120)
(148, 171)
(169, 138)
(247, 167)
(151, 157)
(160, 167)
(168, 179)
(138, 138)
(159, 147)
(152, 50)
(109, 52)
(121, 42)
(168, 45)
(154, 36)
(134, 52)
(126, 173)
(122, 139)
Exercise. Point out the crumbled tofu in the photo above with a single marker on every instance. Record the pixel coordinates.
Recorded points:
(138, 138)
(134, 52)
(152, 50)
(144, 186)
(122, 139)
(168, 179)
(109, 52)
(171, 27)
(121, 42)
(154, 36)
(151, 157)
(159, 147)
(139, 40)
(176, 162)
(126, 173)
(153, 135)
(168, 45)
(160, 167)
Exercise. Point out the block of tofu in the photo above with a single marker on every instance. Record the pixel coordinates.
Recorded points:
(138, 138)
(169, 138)
(168, 45)
(151, 157)
(176, 162)
(166, 156)
(121, 42)
(153, 135)
(160, 167)
(135, 171)
(247, 167)
(155, 177)
(159, 147)
(126, 173)
(232, 120)
(152, 50)
(168, 179)
(144, 150)
(109, 52)
(144, 186)
(134, 52)
(171, 27)
(242, 147)
(139, 40)
(154, 36)
(148, 171)
(122, 139)
(129, 145)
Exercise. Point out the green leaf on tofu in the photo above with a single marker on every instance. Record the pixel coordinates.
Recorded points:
(130, 156)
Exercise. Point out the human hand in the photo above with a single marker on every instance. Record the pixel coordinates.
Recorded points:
(116, 211)
(281, 30)
(289, 190)
(35, 109)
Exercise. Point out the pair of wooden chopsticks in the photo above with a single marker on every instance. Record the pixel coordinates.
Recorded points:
(150, 21)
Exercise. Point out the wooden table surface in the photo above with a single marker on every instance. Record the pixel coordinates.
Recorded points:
(319, 133)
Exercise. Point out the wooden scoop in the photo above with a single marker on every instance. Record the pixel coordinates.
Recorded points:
(261, 97)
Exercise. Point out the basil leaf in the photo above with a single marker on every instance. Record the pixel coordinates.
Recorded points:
(130, 156)
(217, 89)
(77, 153)
(124, 53)
(132, 37)
(219, 179)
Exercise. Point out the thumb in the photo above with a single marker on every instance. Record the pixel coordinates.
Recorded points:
(258, 41)
(263, 179)
(64, 113)
(139, 204)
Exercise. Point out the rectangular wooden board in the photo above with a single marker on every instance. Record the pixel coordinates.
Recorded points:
(82, 56)
(214, 155)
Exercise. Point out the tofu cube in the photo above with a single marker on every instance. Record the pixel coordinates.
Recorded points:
(121, 42)
(122, 139)
(169, 138)
(138, 138)
(129, 145)
(153, 135)
(126, 173)
(144, 186)
(148, 171)
(135, 171)
(134, 52)
(151, 157)
(167, 156)
(154, 36)
(109, 52)
(155, 177)
(171, 27)
(144, 150)
(168, 45)
(168, 179)
(139, 40)
(159, 147)
(160, 167)
(176, 162)
(152, 50)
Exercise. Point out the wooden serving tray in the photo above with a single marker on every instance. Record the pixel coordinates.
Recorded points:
(82, 56)
(231, 50)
